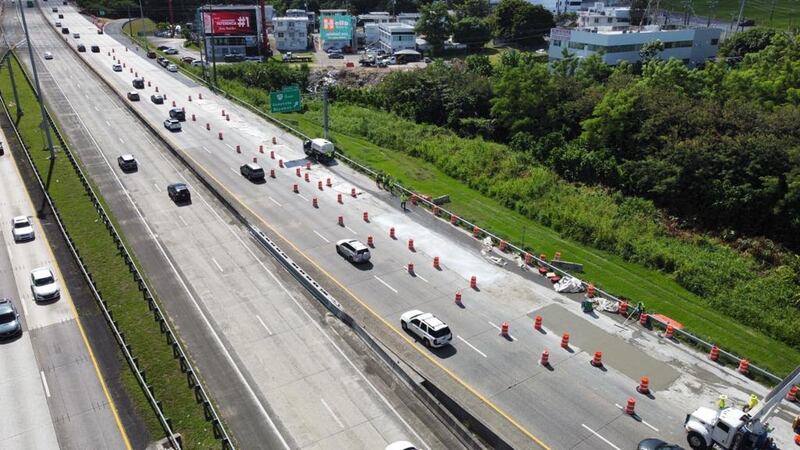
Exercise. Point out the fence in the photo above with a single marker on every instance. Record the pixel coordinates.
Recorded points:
(201, 396)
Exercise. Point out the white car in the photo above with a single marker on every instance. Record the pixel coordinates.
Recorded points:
(353, 250)
(170, 51)
(76, 35)
(116, 67)
(401, 445)
(172, 124)
(22, 228)
(427, 327)
(198, 63)
(43, 285)
(48, 55)
(172, 68)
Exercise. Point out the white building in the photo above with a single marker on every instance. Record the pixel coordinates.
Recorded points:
(371, 34)
(291, 34)
(605, 17)
(554, 6)
(374, 17)
(693, 46)
(409, 18)
(394, 37)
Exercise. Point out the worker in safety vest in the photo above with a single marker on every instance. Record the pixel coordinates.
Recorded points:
(721, 402)
(752, 402)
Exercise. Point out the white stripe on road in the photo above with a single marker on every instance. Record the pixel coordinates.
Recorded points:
(206, 148)
(472, 346)
(323, 237)
(217, 264)
(234, 170)
(385, 284)
(264, 325)
(351, 230)
(651, 427)
(108, 123)
(44, 383)
(121, 141)
(275, 201)
(301, 196)
(157, 188)
(421, 278)
(335, 417)
(601, 437)
(183, 220)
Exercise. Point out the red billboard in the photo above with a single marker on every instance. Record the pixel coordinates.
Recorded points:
(230, 22)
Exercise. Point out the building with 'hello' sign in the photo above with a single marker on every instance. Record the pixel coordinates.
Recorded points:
(337, 29)
(234, 32)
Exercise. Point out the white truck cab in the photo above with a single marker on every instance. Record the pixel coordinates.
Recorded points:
(320, 149)
(730, 428)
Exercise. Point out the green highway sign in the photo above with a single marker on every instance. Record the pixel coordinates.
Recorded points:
(285, 100)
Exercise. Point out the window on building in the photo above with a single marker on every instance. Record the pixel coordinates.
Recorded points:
(577, 45)
(715, 42)
(280, 35)
(555, 42)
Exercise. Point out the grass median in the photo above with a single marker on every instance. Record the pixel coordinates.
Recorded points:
(114, 281)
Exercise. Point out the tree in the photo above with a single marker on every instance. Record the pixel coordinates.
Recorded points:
(750, 41)
(479, 64)
(650, 50)
(435, 24)
(521, 22)
(472, 31)
(473, 8)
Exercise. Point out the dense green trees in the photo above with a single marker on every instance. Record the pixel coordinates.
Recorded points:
(520, 22)
(435, 24)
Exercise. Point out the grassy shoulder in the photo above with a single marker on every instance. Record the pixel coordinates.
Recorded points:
(659, 292)
(784, 12)
(115, 282)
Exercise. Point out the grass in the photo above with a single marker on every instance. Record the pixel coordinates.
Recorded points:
(115, 282)
(786, 12)
(135, 26)
(659, 292)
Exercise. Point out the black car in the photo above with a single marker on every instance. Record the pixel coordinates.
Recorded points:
(657, 444)
(158, 99)
(252, 172)
(336, 56)
(133, 96)
(65, 30)
(138, 83)
(151, 54)
(163, 47)
(127, 163)
(177, 114)
(179, 192)
(81, 48)
(60, 16)
(55, 9)
(95, 49)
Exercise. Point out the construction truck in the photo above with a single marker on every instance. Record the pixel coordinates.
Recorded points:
(320, 149)
(737, 429)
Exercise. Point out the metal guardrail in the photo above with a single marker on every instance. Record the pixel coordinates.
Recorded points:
(695, 340)
(201, 396)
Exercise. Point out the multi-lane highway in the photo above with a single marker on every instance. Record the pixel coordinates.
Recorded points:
(50, 385)
(570, 404)
(282, 374)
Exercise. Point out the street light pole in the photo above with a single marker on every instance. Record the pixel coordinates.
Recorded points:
(39, 93)
(144, 25)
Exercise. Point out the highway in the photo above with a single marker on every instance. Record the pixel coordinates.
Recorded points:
(284, 374)
(571, 404)
(49, 379)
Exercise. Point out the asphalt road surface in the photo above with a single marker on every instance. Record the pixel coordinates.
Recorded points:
(282, 374)
(570, 404)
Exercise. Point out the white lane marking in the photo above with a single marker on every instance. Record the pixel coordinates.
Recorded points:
(500, 329)
(78, 85)
(275, 201)
(651, 427)
(234, 170)
(96, 108)
(351, 230)
(422, 278)
(206, 148)
(207, 322)
(184, 221)
(230, 146)
(601, 437)
(472, 346)
(301, 196)
(335, 417)
(264, 325)
(323, 237)
(121, 141)
(217, 264)
(44, 383)
(108, 123)
(157, 188)
(385, 284)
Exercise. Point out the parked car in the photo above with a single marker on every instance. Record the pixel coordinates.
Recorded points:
(127, 163)
(252, 171)
(95, 49)
(133, 96)
(187, 59)
(427, 327)
(60, 16)
(172, 125)
(22, 229)
(178, 114)
(233, 57)
(158, 99)
(179, 192)
(172, 68)
(55, 9)
(170, 51)
(116, 67)
(43, 285)
(336, 56)
(76, 35)
(65, 30)
(333, 50)
(162, 47)
(353, 250)
(48, 55)
(58, 24)
(10, 325)
(198, 63)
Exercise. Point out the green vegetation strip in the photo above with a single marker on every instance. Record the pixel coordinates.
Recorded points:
(114, 280)
(659, 292)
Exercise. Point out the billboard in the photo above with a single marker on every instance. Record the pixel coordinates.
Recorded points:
(230, 22)
(336, 28)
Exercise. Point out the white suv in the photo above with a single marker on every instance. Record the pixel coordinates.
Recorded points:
(353, 250)
(432, 331)
(22, 228)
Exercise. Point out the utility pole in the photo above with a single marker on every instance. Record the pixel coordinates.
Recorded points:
(171, 19)
(39, 93)
(325, 110)
(213, 44)
(14, 88)
(204, 64)
(741, 14)
(144, 26)
(712, 6)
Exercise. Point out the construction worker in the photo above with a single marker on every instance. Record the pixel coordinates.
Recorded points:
(752, 402)
(721, 402)
(379, 179)
(403, 200)
(796, 425)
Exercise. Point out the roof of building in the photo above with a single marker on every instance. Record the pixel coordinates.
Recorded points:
(407, 51)
(397, 26)
(291, 19)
